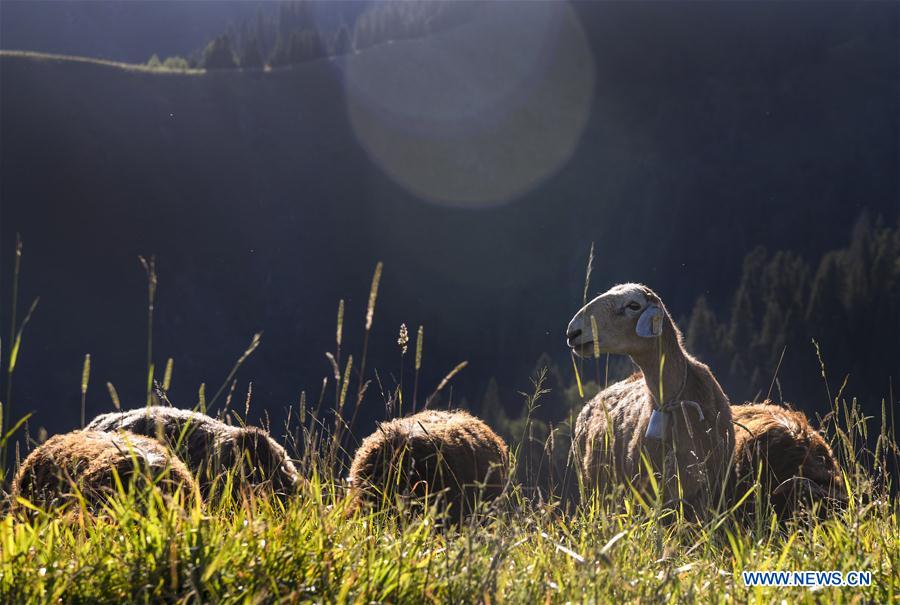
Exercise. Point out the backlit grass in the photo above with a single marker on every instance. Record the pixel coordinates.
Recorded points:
(530, 546)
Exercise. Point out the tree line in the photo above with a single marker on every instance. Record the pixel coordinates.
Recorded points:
(789, 317)
(293, 34)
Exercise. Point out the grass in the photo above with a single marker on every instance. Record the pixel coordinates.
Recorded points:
(529, 546)
(319, 548)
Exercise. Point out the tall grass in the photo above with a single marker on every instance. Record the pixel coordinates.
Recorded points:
(535, 544)
(7, 427)
(319, 547)
(152, 283)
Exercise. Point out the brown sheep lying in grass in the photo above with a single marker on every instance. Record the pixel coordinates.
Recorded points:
(792, 459)
(211, 448)
(678, 415)
(449, 455)
(89, 461)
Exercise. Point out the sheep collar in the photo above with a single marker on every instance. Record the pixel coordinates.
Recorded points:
(660, 419)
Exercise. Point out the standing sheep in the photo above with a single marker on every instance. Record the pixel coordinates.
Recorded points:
(210, 447)
(673, 409)
(451, 456)
(793, 461)
(88, 462)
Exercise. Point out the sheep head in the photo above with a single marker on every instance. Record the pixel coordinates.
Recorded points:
(627, 319)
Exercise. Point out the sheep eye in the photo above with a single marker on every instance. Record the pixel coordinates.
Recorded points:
(633, 306)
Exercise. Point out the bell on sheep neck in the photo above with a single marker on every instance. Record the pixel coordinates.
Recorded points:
(659, 423)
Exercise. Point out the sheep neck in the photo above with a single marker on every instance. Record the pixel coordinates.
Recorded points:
(675, 367)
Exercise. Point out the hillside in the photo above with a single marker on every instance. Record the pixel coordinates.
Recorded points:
(266, 199)
(119, 31)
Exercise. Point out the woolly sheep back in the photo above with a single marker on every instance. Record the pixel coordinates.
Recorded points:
(795, 461)
(211, 448)
(90, 460)
(450, 453)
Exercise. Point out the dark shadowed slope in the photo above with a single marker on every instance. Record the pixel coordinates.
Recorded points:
(263, 208)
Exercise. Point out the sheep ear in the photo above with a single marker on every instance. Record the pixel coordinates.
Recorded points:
(649, 324)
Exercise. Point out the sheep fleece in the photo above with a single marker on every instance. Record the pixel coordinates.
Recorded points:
(610, 435)
(88, 458)
(449, 451)
(209, 446)
(781, 442)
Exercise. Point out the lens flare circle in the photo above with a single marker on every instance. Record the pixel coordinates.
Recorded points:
(480, 114)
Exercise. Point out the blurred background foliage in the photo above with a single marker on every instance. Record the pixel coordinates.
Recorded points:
(740, 158)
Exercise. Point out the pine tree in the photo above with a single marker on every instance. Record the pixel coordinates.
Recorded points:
(342, 44)
(706, 333)
(218, 54)
(311, 45)
(251, 57)
(175, 63)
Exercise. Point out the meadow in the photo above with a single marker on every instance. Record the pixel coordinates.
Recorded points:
(537, 543)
